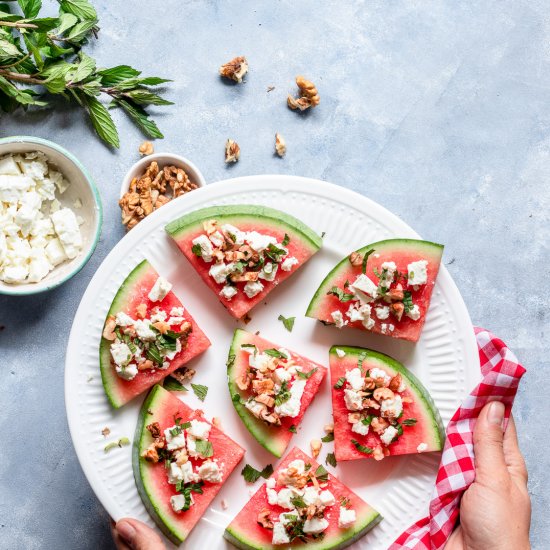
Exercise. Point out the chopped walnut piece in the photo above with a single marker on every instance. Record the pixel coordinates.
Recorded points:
(232, 151)
(383, 393)
(235, 69)
(270, 418)
(280, 145)
(263, 519)
(263, 386)
(108, 331)
(146, 365)
(395, 383)
(151, 454)
(183, 375)
(378, 453)
(397, 308)
(315, 445)
(105, 432)
(309, 96)
(396, 295)
(162, 326)
(146, 148)
(378, 425)
(266, 399)
(224, 504)
(356, 259)
(154, 430)
(141, 310)
(354, 417)
(210, 226)
(149, 192)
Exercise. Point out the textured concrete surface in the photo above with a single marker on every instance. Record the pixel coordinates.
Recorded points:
(437, 110)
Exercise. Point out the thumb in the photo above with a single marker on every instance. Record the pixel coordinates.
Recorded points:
(488, 443)
(137, 535)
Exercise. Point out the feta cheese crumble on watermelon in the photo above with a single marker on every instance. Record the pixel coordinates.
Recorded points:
(384, 288)
(148, 334)
(180, 462)
(271, 388)
(379, 407)
(242, 252)
(301, 505)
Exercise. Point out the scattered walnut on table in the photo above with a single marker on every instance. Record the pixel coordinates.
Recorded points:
(154, 188)
(232, 151)
(309, 96)
(146, 148)
(280, 145)
(235, 69)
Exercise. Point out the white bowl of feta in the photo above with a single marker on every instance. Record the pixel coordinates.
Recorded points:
(50, 215)
(163, 159)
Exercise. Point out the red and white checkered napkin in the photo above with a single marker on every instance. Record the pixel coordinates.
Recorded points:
(501, 375)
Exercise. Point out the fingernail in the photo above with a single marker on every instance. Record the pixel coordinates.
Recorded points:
(495, 414)
(125, 530)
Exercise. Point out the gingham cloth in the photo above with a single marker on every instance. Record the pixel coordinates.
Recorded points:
(501, 375)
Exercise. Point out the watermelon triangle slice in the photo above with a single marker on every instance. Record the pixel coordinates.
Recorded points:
(384, 288)
(379, 407)
(242, 252)
(342, 529)
(153, 478)
(249, 349)
(134, 308)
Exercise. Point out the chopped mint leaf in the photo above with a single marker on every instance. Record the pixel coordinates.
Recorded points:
(344, 502)
(407, 301)
(298, 502)
(307, 375)
(171, 384)
(321, 473)
(365, 259)
(340, 294)
(196, 249)
(399, 430)
(288, 322)
(230, 361)
(409, 422)
(292, 429)
(360, 359)
(367, 420)
(286, 240)
(252, 475)
(323, 234)
(200, 391)
(362, 448)
(274, 353)
(204, 448)
(283, 395)
(340, 383)
(331, 460)
(328, 438)
(236, 398)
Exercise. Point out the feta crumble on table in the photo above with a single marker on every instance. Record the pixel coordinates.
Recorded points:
(36, 232)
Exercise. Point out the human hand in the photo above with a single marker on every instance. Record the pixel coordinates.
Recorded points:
(495, 511)
(131, 534)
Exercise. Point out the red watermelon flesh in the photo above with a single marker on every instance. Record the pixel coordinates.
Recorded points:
(152, 479)
(133, 292)
(274, 438)
(302, 245)
(400, 251)
(427, 431)
(246, 533)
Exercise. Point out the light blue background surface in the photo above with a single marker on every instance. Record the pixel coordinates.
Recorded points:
(437, 110)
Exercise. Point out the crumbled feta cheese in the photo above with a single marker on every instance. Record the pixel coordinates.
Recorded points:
(271, 496)
(315, 525)
(387, 274)
(160, 290)
(123, 320)
(175, 320)
(369, 323)
(254, 407)
(380, 374)
(360, 428)
(382, 312)
(219, 272)
(236, 235)
(281, 375)
(177, 502)
(13, 188)
(39, 266)
(66, 227)
(289, 263)
(355, 379)
(174, 473)
(15, 274)
(353, 400)
(261, 361)
(253, 288)
(326, 498)
(280, 536)
(217, 239)
(285, 353)
(210, 471)
(360, 313)
(418, 273)
(259, 242)
(27, 213)
(144, 330)
(176, 441)
(177, 311)
(268, 272)
(340, 352)
(346, 518)
(422, 447)
(414, 313)
(364, 289)
(391, 408)
(158, 315)
(284, 497)
(391, 327)
(128, 373)
(55, 252)
(205, 247)
(271, 482)
(120, 353)
(388, 435)
(338, 319)
(228, 291)
(292, 406)
(199, 429)
(8, 166)
(298, 464)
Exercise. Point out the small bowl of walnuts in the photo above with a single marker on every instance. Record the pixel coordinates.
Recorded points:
(153, 181)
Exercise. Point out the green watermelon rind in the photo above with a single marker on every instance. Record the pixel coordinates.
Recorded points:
(429, 248)
(256, 427)
(117, 305)
(177, 227)
(139, 466)
(414, 385)
(358, 531)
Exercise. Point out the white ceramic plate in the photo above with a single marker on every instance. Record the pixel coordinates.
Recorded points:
(445, 358)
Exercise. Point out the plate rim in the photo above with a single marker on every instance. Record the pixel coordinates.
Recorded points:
(188, 203)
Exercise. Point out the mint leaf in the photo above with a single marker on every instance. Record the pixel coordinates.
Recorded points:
(204, 448)
(115, 75)
(30, 8)
(272, 352)
(307, 375)
(251, 475)
(145, 97)
(362, 448)
(286, 240)
(292, 429)
(81, 8)
(365, 260)
(407, 301)
(200, 391)
(328, 438)
(84, 69)
(141, 118)
(171, 384)
(409, 422)
(331, 460)
(340, 382)
(288, 322)
(321, 473)
(340, 294)
(102, 121)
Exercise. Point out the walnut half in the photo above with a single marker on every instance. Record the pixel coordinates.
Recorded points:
(280, 145)
(232, 151)
(309, 96)
(235, 69)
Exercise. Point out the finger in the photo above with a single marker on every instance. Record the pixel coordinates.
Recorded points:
(119, 543)
(488, 443)
(512, 453)
(138, 536)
